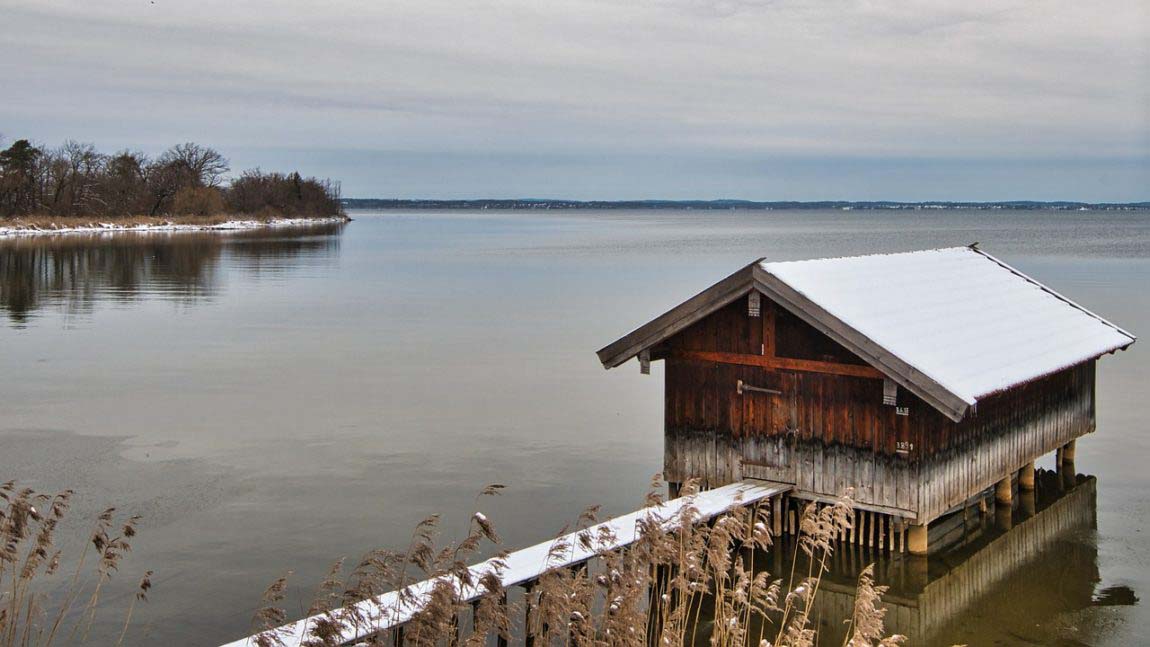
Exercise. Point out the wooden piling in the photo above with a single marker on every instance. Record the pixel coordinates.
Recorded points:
(528, 613)
(1026, 477)
(501, 637)
(1003, 492)
(917, 540)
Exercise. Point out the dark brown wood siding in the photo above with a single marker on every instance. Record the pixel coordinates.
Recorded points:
(826, 431)
(830, 409)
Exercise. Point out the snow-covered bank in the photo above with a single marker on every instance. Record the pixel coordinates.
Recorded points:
(110, 227)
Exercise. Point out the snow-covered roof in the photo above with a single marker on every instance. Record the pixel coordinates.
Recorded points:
(950, 325)
(965, 319)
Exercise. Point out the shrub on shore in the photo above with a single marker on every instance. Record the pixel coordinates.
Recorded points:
(77, 181)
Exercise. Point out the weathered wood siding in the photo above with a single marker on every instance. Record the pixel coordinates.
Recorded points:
(827, 432)
(1005, 433)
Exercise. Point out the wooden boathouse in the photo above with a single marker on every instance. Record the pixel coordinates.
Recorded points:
(919, 380)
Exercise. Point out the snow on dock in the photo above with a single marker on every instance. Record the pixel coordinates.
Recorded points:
(522, 566)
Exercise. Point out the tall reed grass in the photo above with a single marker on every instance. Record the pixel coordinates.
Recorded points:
(40, 606)
(685, 581)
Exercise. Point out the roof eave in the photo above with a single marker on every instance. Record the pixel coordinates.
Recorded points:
(753, 276)
(680, 317)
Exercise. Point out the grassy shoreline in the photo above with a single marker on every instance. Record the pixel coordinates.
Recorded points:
(32, 225)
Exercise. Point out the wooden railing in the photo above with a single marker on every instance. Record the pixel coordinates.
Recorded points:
(523, 567)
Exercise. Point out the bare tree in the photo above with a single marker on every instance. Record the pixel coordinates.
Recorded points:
(19, 174)
(77, 180)
(124, 184)
(206, 166)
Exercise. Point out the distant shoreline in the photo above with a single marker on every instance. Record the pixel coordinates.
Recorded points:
(727, 205)
(57, 226)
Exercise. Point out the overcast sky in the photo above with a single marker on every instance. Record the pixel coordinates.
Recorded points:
(613, 99)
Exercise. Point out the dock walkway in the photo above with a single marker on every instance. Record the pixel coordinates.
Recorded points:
(523, 566)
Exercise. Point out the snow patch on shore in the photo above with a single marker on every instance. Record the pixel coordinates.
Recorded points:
(108, 227)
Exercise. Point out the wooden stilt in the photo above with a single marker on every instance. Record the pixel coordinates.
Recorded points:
(528, 613)
(501, 637)
(917, 540)
(777, 516)
(1026, 477)
(1002, 491)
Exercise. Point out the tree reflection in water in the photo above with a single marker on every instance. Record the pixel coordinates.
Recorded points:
(73, 272)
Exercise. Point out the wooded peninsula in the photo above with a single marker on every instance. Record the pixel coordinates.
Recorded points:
(43, 187)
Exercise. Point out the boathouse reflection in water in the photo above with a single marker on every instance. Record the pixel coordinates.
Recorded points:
(1034, 561)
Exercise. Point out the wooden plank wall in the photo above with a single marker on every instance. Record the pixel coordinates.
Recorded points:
(1017, 429)
(827, 432)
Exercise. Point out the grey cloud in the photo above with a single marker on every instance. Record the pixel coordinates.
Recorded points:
(615, 81)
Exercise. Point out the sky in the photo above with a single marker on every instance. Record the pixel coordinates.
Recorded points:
(607, 99)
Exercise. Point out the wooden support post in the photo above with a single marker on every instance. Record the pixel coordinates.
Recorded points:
(1068, 451)
(397, 636)
(1067, 475)
(777, 516)
(1026, 477)
(501, 637)
(917, 540)
(528, 612)
(881, 531)
(1003, 493)
(1004, 516)
(1026, 503)
(574, 630)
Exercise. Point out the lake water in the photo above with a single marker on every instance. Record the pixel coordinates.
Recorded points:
(271, 401)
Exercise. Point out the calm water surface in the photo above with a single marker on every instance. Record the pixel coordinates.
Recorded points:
(270, 401)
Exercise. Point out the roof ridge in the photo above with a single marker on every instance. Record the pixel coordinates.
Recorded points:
(972, 248)
(1045, 288)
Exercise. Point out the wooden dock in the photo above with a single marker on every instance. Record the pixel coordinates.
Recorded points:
(525, 566)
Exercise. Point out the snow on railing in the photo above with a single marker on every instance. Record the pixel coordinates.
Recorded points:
(390, 610)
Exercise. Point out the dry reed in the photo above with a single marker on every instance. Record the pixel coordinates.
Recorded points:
(685, 581)
(33, 613)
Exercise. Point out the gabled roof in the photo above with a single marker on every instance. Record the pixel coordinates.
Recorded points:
(950, 325)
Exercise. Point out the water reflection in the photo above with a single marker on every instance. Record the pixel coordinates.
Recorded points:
(1028, 574)
(75, 271)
